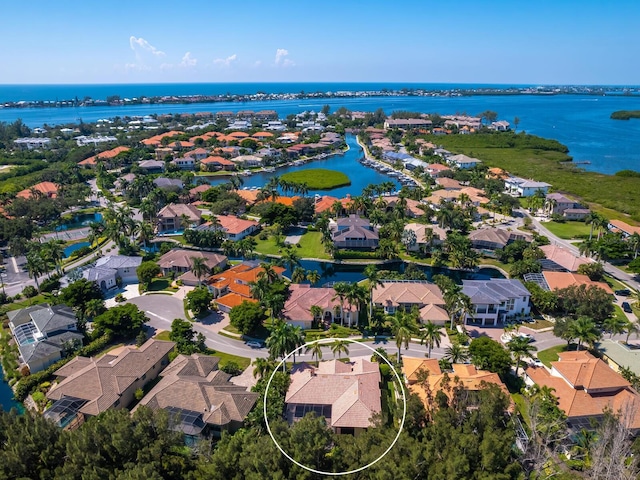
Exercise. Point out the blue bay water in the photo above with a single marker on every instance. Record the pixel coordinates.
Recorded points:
(579, 121)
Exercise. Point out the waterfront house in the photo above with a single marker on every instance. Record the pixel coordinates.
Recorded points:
(297, 309)
(201, 400)
(496, 300)
(234, 228)
(151, 166)
(521, 187)
(618, 226)
(465, 376)
(215, 163)
(355, 232)
(185, 163)
(42, 333)
(179, 260)
(196, 192)
(177, 216)
(427, 236)
(491, 238)
(104, 156)
(246, 161)
(346, 394)
(93, 385)
(436, 169)
(406, 123)
(33, 143)
(407, 295)
(164, 183)
(585, 388)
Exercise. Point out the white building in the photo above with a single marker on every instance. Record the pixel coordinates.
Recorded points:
(463, 162)
(521, 187)
(496, 300)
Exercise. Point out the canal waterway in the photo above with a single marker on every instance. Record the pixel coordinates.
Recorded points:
(6, 395)
(347, 163)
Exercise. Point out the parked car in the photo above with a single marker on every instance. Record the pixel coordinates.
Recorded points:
(623, 293)
(626, 307)
(254, 344)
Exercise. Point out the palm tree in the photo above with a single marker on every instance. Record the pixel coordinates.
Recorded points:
(402, 327)
(339, 347)
(634, 243)
(278, 342)
(268, 272)
(35, 266)
(373, 277)
(298, 275)
(316, 350)
(145, 233)
(456, 353)
(549, 205)
(631, 327)
(54, 251)
(432, 335)
(615, 325)
(290, 258)
(585, 330)
(520, 348)
(262, 366)
(316, 312)
(459, 306)
(341, 289)
(313, 276)
(592, 219)
(199, 267)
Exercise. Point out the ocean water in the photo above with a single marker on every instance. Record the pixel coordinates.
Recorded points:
(579, 121)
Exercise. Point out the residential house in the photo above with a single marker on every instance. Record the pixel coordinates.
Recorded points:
(623, 227)
(496, 300)
(32, 143)
(178, 216)
(297, 309)
(42, 189)
(500, 126)
(407, 295)
(93, 385)
(112, 270)
(195, 192)
(465, 376)
(463, 162)
(586, 388)
(124, 181)
(558, 204)
(248, 161)
(231, 287)
(174, 184)
(560, 259)
(412, 208)
(233, 227)
(105, 156)
(42, 333)
(215, 163)
(449, 183)
(151, 166)
(521, 187)
(199, 154)
(355, 232)
(347, 395)
(179, 260)
(427, 236)
(325, 203)
(185, 163)
(491, 238)
(619, 354)
(406, 123)
(558, 280)
(201, 400)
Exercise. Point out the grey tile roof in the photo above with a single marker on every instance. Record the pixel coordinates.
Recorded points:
(47, 318)
(495, 290)
(119, 261)
(96, 274)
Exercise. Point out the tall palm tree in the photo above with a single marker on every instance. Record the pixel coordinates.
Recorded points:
(634, 243)
(54, 251)
(615, 325)
(339, 347)
(313, 276)
(261, 367)
(199, 267)
(631, 327)
(35, 266)
(145, 233)
(290, 258)
(316, 350)
(432, 335)
(268, 272)
(592, 219)
(520, 348)
(585, 330)
(341, 289)
(316, 312)
(298, 275)
(402, 327)
(279, 341)
(456, 353)
(373, 277)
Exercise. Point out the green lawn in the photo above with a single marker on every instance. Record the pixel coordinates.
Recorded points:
(615, 284)
(310, 246)
(619, 313)
(551, 354)
(318, 178)
(163, 336)
(568, 230)
(158, 284)
(539, 325)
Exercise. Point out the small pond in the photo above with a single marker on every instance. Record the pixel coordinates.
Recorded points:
(79, 221)
(72, 248)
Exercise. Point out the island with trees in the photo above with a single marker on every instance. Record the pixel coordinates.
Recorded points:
(625, 114)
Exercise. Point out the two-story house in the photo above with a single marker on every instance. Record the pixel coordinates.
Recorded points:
(355, 232)
(496, 300)
(234, 228)
(521, 187)
(178, 216)
(406, 295)
(43, 332)
(297, 310)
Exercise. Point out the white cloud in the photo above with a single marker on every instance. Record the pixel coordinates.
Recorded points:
(187, 61)
(225, 62)
(281, 58)
(140, 43)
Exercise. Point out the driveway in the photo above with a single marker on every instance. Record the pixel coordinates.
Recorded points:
(161, 309)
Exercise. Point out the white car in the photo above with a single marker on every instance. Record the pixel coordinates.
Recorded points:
(254, 344)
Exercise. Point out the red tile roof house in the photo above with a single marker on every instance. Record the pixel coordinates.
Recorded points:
(585, 387)
(200, 399)
(297, 309)
(426, 297)
(231, 287)
(233, 227)
(178, 260)
(170, 218)
(215, 163)
(347, 395)
(109, 154)
(94, 385)
(44, 189)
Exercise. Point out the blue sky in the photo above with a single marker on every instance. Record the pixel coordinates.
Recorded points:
(538, 42)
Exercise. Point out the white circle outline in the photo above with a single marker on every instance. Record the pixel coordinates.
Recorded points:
(320, 472)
